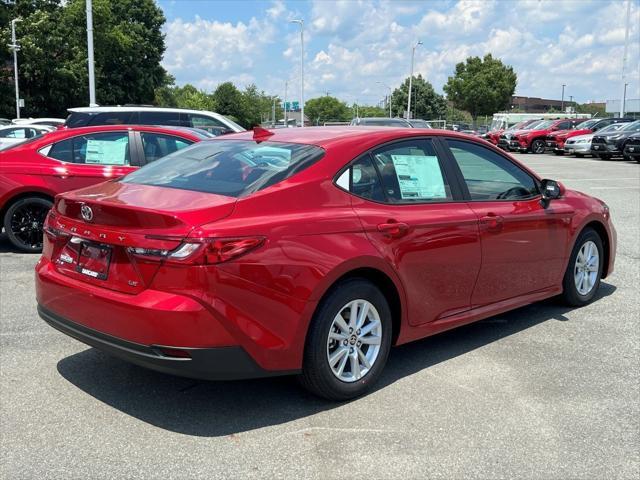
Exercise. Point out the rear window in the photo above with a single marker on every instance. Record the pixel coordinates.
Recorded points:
(234, 168)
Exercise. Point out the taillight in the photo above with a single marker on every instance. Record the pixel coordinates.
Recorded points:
(202, 251)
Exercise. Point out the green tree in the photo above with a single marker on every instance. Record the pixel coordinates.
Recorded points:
(481, 86)
(425, 102)
(592, 108)
(326, 109)
(256, 106)
(372, 111)
(228, 101)
(187, 96)
(128, 48)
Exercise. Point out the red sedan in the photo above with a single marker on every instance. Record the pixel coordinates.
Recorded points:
(312, 251)
(34, 172)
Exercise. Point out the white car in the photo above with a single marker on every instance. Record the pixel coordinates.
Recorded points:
(144, 115)
(53, 122)
(14, 134)
(580, 145)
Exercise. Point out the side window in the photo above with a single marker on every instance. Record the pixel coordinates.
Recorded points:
(489, 176)
(564, 125)
(362, 180)
(62, 151)
(95, 149)
(160, 118)
(210, 124)
(157, 146)
(411, 173)
(17, 133)
(113, 118)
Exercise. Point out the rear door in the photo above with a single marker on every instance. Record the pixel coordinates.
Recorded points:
(91, 158)
(523, 243)
(412, 212)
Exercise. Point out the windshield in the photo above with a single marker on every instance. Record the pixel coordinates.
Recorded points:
(540, 125)
(533, 125)
(631, 126)
(419, 124)
(612, 128)
(23, 143)
(587, 124)
(227, 167)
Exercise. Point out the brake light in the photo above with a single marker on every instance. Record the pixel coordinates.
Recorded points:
(202, 251)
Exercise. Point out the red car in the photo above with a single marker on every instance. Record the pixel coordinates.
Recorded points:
(535, 140)
(34, 172)
(556, 140)
(312, 251)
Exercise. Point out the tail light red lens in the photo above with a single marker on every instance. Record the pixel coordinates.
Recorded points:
(202, 251)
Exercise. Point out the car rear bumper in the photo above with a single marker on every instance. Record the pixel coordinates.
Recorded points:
(208, 325)
(217, 363)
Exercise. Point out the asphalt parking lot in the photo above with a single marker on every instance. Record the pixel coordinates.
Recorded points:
(541, 392)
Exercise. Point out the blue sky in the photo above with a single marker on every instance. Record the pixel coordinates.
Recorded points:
(352, 45)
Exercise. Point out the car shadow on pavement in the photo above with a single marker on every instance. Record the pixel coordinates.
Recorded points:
(202, 408)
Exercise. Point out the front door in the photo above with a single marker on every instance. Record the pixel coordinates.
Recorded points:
(523, 243)
(413, 216)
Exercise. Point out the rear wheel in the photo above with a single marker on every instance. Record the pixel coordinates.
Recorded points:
(23, 223)
(538, 146)
(582, 278)
(348, 341)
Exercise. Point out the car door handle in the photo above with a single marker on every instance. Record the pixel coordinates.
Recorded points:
(492, 221)
(393, 229)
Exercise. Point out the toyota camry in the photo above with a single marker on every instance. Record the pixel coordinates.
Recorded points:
(312, 252)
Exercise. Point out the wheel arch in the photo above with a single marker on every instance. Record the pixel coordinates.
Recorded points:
(601, 230)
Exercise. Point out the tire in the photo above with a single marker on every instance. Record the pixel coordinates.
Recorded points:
(318, 376)
(538, 146)
(23, 223)
(572, 294)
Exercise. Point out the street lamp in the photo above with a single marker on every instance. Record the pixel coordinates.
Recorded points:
(562, 101)
(286, 85)
(92, 77)
(390, 94)
(301, 23)
(15, 47)
(413, 54)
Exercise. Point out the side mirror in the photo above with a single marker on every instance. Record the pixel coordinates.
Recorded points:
(550, 190)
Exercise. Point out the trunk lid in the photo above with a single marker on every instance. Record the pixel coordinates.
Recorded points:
(95, 234)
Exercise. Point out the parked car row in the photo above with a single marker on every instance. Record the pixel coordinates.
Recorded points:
(605, 138)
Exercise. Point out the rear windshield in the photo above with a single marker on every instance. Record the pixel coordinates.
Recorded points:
(234, 168)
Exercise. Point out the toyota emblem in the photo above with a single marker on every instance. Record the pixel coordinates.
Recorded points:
(86, 212)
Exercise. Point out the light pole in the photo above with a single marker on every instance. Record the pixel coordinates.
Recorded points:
(413, 54)
(562, 101)
(92, 79)
(624, 100)
(624, 58)
(286, 85)
(301, 23)
(15, 47)
(390, 94)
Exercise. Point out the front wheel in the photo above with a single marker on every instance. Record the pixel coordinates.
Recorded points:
(582, 278)
(348, 341)
(538, 146)
(23, 223)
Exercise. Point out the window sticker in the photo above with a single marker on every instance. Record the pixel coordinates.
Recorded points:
(107, 152)
(419, 177)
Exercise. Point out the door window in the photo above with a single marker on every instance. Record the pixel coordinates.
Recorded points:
(157, 146)
(411, 172)
(112, 118)
(362, 180)
(210, 124)
(15, 133)
(160, 118)
(95, 149)
(489, 176)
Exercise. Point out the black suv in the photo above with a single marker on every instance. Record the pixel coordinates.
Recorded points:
(612, 144)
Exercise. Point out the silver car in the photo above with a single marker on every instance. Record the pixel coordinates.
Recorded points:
(580, 145)
(14, 134)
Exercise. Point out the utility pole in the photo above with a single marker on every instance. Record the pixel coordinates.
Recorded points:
(15, 47)
(562, 101)
(286, 121)
(624, 60)
(92, 79)
(301, 23)
(413, 54)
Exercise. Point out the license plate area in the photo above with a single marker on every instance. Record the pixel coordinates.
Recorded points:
(94, 260)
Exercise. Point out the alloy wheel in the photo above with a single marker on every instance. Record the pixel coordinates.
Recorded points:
(585, 271)
(26, 224)
(354, 339)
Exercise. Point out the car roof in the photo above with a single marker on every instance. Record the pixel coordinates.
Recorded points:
(141, 108)
(330, 136)
(72, 132)
(26, 125)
